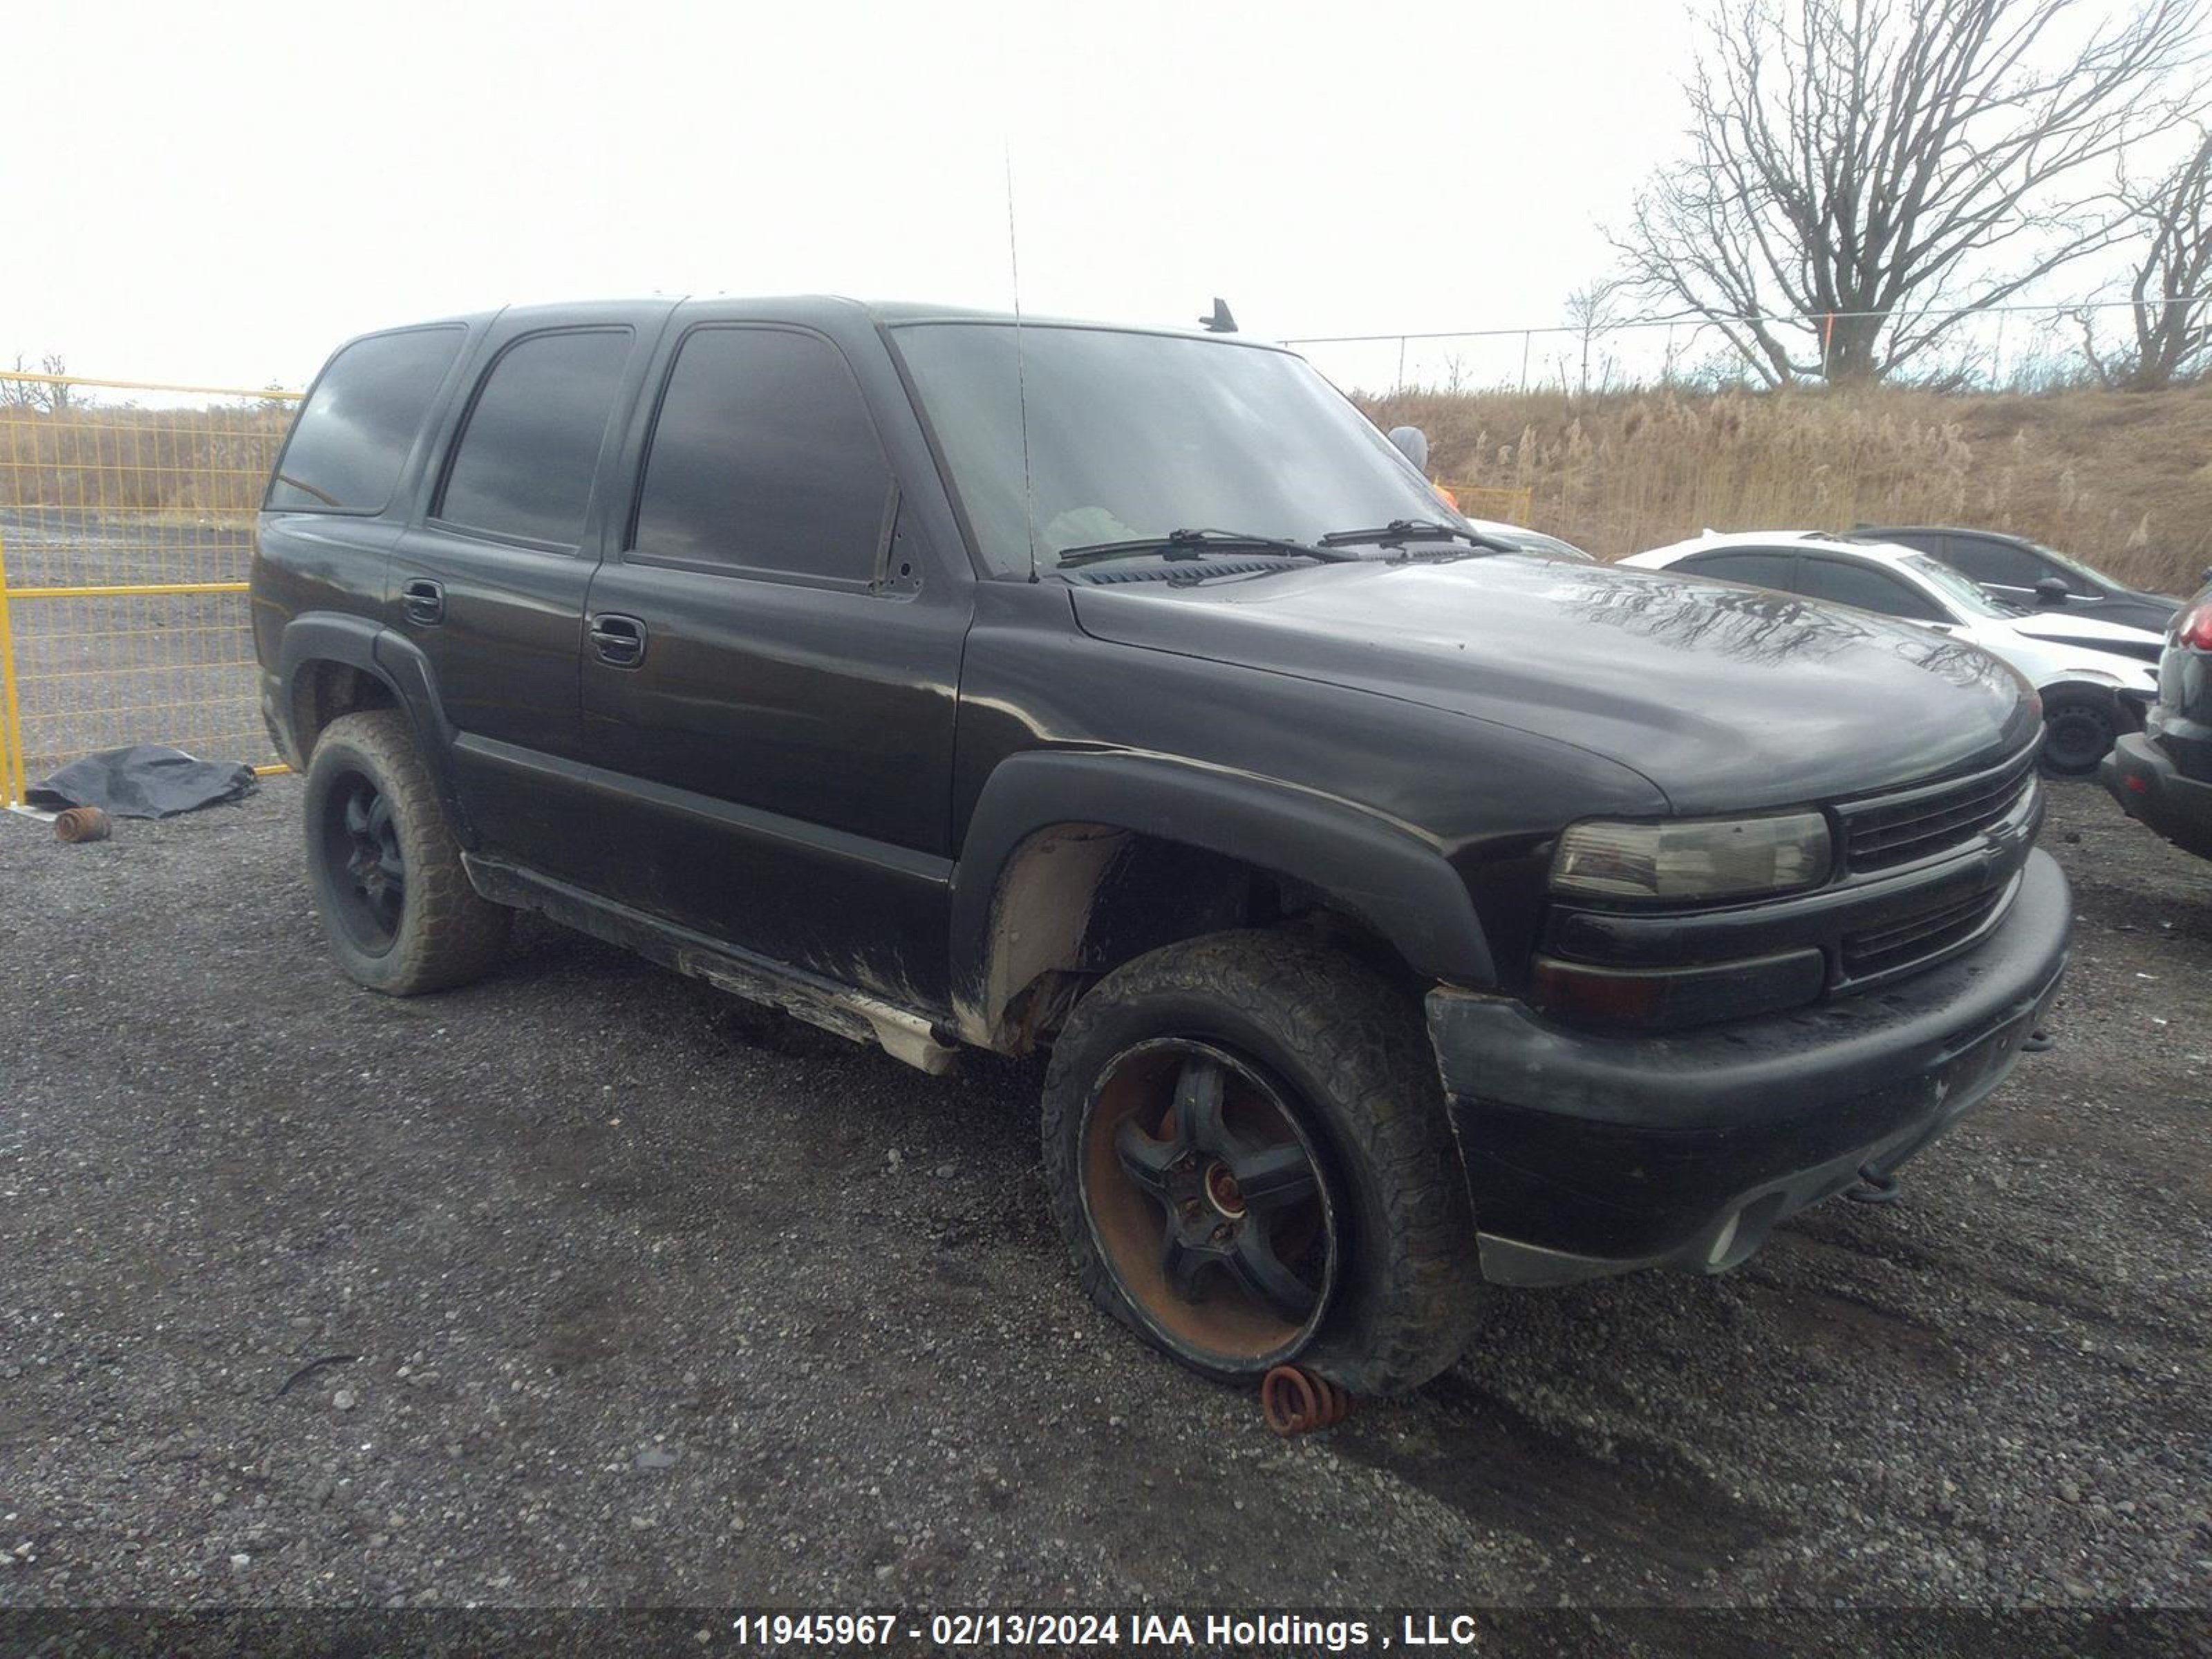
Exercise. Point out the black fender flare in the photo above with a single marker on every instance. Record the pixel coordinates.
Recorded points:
(1393, 879)
(376, 651)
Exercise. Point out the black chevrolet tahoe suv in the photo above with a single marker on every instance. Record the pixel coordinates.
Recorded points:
(1399, 912)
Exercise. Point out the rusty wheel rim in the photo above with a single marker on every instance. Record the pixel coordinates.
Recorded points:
(1209, 1203)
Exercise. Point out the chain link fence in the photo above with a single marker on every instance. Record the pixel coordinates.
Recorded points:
(2007, 348)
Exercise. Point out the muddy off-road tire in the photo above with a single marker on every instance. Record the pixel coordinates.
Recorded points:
(1245, 1144)
(386, 870)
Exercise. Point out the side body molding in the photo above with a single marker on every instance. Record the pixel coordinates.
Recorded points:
(1388, 876)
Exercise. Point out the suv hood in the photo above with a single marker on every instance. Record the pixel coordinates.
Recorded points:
(1727, 698)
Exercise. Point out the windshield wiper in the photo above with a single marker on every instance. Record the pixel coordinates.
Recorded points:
(1197, 544)
(1401, 531)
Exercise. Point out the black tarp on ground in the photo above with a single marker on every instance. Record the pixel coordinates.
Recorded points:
(146, 781)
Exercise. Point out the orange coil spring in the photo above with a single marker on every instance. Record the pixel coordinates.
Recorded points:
(1296, 1401)
(82, 824)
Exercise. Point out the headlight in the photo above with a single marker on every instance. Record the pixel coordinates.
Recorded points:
(1692, 858)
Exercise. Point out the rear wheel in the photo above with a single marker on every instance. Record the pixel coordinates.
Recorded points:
(2078, 732)
(396, 903)
(1248, 1159)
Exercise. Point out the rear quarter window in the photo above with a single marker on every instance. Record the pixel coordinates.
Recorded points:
(355, 432)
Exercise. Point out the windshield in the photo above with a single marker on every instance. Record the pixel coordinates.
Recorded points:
(1962, 591)
(1135, 435)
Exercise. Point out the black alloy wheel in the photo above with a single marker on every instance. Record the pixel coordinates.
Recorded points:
(397, 904)
(368, 872)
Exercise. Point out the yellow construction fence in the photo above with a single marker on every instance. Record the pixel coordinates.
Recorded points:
(126, 528)
(1499, 506)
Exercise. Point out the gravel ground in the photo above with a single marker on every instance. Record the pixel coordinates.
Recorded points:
(626, 1293)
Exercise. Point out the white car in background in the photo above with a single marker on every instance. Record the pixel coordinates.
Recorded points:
(2096, 679)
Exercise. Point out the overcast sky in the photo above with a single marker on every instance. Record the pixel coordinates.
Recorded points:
(220, 192)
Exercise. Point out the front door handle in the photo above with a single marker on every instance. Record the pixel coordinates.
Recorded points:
(619, 641)
(424, 602)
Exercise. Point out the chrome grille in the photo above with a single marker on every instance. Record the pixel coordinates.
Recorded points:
(1911, 823)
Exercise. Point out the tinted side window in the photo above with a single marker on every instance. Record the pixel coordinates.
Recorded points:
(524, 464)
(1755, 569)
(1992, 562)
(352, 438)
(763, 458)
(1869, 589)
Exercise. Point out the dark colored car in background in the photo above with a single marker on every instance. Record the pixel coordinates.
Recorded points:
(2031, 575)
(2162, 775)
(1400, 911)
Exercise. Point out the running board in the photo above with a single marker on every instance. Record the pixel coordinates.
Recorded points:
(899, 1032)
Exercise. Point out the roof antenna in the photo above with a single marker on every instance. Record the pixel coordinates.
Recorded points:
(1220, 322)
(1021, 379)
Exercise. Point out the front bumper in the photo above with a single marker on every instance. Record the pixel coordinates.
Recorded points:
(2151, 789)
(1589, 1154)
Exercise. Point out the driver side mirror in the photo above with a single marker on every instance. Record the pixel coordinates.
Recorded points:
(1413, 443)
(2051, 591)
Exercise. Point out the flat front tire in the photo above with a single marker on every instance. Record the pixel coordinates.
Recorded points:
(1246, 1147)
(396, 903)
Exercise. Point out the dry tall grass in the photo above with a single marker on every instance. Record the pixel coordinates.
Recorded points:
(2125, 479)
(2122, 479)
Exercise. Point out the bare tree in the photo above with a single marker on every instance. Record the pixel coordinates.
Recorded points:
(38, 393)
(1865, 174)
(2169, 301)
(1591, 311)
(18, 394)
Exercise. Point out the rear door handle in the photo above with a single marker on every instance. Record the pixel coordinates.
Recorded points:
(619, 641)
(424, 602)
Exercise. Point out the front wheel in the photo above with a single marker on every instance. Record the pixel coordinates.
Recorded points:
(2078, 732)
(1247, 1157)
